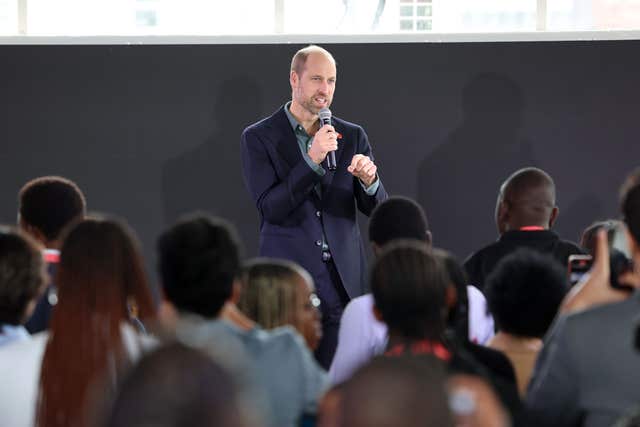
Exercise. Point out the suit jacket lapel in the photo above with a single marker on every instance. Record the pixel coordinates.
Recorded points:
(284, 139)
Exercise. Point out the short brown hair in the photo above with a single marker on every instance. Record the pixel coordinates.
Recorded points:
(300, 58)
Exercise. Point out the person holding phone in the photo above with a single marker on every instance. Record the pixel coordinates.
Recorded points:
(588, 371)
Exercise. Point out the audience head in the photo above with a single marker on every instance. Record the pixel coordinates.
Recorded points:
(199, 260)
(22, 276)
(100, 278)
(398, 218)
(524, 292)
(397, 391)
(527, 198)
(277, 293)
(47, 205)
(409, 286)
(588, 238)
(176, 386)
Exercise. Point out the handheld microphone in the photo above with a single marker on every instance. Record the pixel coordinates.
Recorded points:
(325, 119)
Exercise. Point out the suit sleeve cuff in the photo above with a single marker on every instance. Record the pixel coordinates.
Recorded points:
(371, 190)
(316, 167)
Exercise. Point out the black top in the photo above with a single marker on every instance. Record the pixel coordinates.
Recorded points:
(39, 320)
(480, 264)
(496, 368)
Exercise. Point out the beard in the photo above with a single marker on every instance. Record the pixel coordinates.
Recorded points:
(310, 104)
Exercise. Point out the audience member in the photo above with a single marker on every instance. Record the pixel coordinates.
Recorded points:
(101, 282)
(588, 237)
(525, 212)
(199, 263)
(361, 335)
(177, 386)
(587, 370)
(99, 277)
(398, 391)
(46, 206)
(410, 286)
(22, 279)
(524, 292)
(278, 293)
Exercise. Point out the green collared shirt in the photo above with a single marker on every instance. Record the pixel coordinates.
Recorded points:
(304, 142)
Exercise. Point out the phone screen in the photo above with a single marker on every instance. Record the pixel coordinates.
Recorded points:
(579, 265)
(619, 254)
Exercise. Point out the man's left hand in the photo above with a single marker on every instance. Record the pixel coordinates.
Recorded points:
(363, 168)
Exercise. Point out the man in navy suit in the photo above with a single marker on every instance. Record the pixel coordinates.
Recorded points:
(308, 212)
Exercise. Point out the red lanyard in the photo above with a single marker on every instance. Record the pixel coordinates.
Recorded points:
(420, 347)
(51, 256)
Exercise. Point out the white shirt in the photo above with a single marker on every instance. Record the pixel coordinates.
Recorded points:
(12, 333)
(20, 363)
(20, 372)
(362, 336)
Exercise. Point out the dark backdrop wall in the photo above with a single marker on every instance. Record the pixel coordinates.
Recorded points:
(151, 132)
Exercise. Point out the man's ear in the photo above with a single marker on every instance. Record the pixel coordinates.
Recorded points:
(32, 231)
(429, 238)
(293, 79)
(236, 291)
(377, 314)
(554, 215)
(502, 216)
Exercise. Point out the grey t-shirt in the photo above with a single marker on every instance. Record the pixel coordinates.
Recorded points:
(275, 369)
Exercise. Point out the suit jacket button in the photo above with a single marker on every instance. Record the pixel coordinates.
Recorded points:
(318, 214)
(318, 242)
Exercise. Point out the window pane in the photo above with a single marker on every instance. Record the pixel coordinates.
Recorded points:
(484, 16)
(406, 10)
(257, 17)
(122, 17)
(406, 24)
(423, 11)
(593, 14)
(423, 25)
(8, 17)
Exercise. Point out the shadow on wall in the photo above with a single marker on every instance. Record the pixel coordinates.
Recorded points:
(458, 182)
(209, 177)
(577, 216)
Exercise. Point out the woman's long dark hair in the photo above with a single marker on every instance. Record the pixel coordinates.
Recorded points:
(100, 273)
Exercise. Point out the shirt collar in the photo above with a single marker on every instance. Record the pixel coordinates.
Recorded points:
(297, 127)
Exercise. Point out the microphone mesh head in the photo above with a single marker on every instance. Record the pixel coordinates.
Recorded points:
(324, 115)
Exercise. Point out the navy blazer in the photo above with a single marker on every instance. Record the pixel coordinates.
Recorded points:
(292, 215)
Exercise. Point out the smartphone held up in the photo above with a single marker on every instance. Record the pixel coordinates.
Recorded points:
(619, 254)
